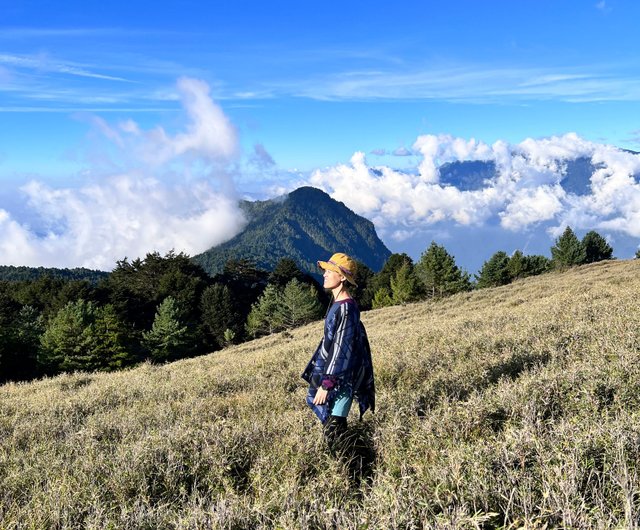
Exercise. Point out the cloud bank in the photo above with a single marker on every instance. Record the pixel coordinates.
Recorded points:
(162, 192)
(524, 192)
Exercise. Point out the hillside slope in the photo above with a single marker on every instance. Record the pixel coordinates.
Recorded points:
(510, 407)
(304, 225)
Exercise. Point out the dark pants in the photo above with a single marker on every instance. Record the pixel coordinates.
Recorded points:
(334, 430)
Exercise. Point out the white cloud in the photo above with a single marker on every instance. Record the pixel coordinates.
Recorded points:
(402, 151)
(525, 192)
(176, 194)
(532, 205)
(209, 135)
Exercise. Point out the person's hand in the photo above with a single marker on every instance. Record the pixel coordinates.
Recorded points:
(321, 397)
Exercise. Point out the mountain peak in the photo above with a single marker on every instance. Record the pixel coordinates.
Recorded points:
(305, 225)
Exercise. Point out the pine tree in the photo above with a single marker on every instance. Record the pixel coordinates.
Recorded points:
(404, 285)
(494, 271)
(285, 271)
(298, 305)
(516, 267)
(568, 250)
(108, 340)
(596, 247)
(219, 314)
(83, 336)
(439, 273)
(638, 254)
(63, 342)
(28, 328)
(383, 278)
(168, 338)
(382, 298)
(264, 317)
(536, 264)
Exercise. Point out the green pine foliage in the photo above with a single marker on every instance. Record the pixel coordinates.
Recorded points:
(568, 251)
(364, 278)
(220, 314)
(168, 339)
(405, 286)
(298, 305)
(264, 317)
(382, 280)
(278, 309)
(382, 298)
(64, 340)
(536, 264)
(596, 247)
(494, 271)
(439, 273)
(136, 288)
(83, 336)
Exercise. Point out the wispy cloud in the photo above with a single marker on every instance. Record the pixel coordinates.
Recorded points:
(48, 64)
(474, 83)
(402, 151)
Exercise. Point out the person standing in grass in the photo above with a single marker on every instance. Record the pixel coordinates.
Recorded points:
(340, 368)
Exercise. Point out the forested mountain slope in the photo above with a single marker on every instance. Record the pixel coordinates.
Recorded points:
(304, 225)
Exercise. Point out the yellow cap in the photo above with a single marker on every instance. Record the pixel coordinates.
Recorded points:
(342, 264)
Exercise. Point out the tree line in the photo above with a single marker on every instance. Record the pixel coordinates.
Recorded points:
(164, 308)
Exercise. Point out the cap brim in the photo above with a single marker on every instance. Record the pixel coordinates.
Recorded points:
(325, 265)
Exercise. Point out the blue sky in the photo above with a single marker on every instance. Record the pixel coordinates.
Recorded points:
(88, 92)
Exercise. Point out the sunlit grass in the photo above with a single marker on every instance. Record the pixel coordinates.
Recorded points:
(510, 407)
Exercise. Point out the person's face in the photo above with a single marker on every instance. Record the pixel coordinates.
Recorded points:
(331, 279)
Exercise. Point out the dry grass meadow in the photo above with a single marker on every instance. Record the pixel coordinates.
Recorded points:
(515, 407)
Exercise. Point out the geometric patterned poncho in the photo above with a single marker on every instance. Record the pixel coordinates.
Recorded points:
(342, 360)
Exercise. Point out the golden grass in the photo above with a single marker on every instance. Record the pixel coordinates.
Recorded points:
(502, 408)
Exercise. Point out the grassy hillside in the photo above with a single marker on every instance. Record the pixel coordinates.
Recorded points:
(510, 407)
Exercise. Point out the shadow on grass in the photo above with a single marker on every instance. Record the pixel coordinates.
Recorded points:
(356, 451)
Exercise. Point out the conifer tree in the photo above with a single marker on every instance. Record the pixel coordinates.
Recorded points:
(108, 340)
(516, 266)
(494, 271)
(596, 247)
(382, 298)
(567, 251)
(298, 305)
(83, 336)
(168, 338)
(28, 328)
(63, 342)
(264, 317)
(285, 270)
(363, 293)
(536, 264)
(439, 273)
(383, 278)
(404, 285)
(219, 314)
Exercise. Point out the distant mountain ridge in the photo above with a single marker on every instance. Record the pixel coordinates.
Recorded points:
(469, 175)
(304, 225)
(22, 273)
